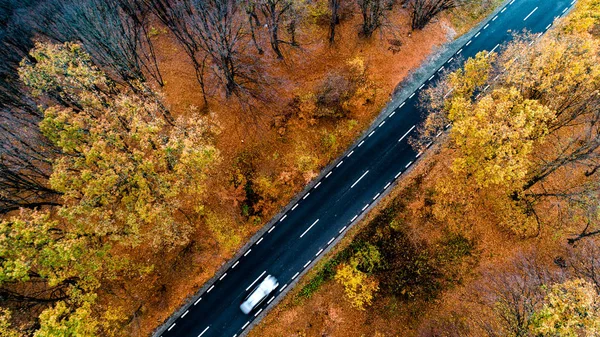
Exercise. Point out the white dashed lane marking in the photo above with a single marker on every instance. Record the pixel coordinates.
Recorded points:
(311, 226)
(258, 278)
(533, 11)
(407, 132)
(356, 182)
(202, 333)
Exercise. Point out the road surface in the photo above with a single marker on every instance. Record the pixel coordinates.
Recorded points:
(313, 223)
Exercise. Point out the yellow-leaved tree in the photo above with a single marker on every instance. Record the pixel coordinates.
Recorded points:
(125, 171)
(570, 309)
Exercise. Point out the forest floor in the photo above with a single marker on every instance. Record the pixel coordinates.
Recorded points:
(270, 154)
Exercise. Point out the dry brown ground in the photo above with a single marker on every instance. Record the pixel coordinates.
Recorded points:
(182, 272)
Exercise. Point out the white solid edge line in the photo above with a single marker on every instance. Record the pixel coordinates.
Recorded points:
(311, 226)
(202, 333)
(407, 132)
(198, 300)
(258, 278)
(356, 182)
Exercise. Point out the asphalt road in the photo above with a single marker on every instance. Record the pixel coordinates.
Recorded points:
(357, 181)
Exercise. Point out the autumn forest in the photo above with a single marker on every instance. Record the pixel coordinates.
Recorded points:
(144, 142)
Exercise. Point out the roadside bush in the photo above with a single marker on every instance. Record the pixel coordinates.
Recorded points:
(333, 94)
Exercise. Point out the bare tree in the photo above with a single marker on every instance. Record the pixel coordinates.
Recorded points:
(373, 14)
(24, 152)
(213, 32)
(114, 32)
(253, 22)
(422, 11)
(334, 6)
(274, 12)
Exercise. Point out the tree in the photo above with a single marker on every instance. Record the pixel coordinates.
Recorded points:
(24, 152)
(212, 31)
(123, 170)
(373, 16)
(355, 276)
(513, 143)
(114, 32)
(422, 11)
(570, 309)
(334, 7)
(274, 12)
